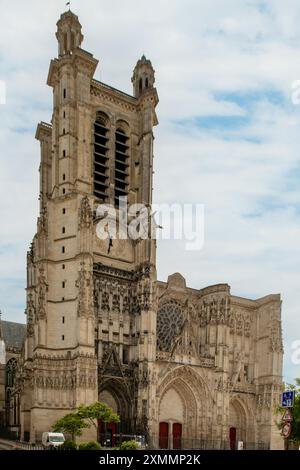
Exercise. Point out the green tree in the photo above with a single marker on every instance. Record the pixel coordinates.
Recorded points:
(85, 417)
(295, 434)
(91, 413)
(71, 424)
(68, 445)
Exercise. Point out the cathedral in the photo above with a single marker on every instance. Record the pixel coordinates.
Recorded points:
(186, 368)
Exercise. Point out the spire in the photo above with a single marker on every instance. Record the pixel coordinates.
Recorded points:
(68, 34)
(143, 76)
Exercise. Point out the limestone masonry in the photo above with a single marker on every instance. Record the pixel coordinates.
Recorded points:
(184, 367)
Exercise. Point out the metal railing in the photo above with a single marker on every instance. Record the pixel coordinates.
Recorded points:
(21, 445)
(156, 442)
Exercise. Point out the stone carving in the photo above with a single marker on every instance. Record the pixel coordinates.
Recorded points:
(116, 303)
(30, 313)
(30, 254)
(239, 324)
(144, 294)
(119, 292)
(199, 386)
(42, 222)
(215, 311)
(113, 272)
(85, 213)
(84, 285)
(276, 344)
(42, 294)
(264, 398)
(247, 326)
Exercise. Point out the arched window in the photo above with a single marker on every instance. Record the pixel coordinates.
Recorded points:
(140, 85)
(11, 368)
(72, 41)
(65, 43)
(121, 165)
(101, 157)
(146, 82)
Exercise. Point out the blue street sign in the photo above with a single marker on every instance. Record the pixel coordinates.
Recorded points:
(287, 399)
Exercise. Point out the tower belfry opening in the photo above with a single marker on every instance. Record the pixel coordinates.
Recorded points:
(101, 158)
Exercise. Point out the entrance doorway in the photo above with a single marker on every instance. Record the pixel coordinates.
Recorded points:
(232, 438)
(163, 435)
(107, 432)
(177, 434)
(170, 435)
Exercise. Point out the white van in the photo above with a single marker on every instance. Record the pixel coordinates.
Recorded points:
(52, 439)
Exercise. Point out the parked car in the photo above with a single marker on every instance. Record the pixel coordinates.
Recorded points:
(52, 439)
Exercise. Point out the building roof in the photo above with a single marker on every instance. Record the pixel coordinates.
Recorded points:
(13, 334)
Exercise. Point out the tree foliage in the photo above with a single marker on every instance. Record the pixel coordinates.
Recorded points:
(295, 434)
(68, 445)
(85, 417)
(71, 424)
(96, 411)
(92, 445)
(129, 445)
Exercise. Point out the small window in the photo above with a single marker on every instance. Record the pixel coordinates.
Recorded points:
(125, 354)
(64, 153)
(146, 82)
(65, 93)
(64, 177)
(140, 84)
(64, 131)
(63, 299)
(63, 266)
(63, 284)
(63, 249)
(64, 114)
(63, 319)
(63, 337)
(64, 210)
(64, 230)
(64, 191)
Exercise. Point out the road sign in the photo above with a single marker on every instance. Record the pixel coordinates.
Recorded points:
(287, 399)
(287, 416)
(240, 445)
(287, 429)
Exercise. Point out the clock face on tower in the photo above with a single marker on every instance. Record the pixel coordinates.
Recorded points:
(116, 248)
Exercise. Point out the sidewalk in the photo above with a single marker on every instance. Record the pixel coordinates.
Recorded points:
(6, 444)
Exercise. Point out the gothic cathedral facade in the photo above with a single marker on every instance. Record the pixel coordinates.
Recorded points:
(185, 367)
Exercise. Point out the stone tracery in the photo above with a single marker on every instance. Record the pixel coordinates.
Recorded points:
(170, 321)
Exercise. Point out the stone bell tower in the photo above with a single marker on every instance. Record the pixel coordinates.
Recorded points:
(90, 301)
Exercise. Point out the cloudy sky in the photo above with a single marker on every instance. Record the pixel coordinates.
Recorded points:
(229, 133)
